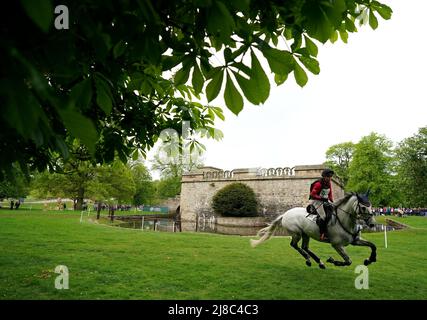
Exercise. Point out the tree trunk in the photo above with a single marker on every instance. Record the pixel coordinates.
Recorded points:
(80, 197)
(98, 211)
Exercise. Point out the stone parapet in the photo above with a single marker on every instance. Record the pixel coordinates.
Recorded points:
(277, 189)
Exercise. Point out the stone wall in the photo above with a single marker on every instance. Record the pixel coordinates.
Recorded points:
(171, 203)
(277, 189)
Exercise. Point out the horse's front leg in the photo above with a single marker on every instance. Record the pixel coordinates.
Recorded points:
(365, 243)
(343, 254)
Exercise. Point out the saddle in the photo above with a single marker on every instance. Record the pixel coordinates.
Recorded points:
(311, 210)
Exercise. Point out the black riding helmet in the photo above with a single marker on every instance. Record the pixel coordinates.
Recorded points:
(327, 173)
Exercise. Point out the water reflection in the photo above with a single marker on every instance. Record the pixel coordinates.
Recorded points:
(378, 228)
(167, 225)
(209, 226)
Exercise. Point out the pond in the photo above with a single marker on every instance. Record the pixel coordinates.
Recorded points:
(208, 226)
(167, 225)
(379, 228)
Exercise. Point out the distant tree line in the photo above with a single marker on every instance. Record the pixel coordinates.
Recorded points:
(395, 174)
(79, 178)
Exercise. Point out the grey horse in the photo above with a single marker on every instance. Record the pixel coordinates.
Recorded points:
(342, 229)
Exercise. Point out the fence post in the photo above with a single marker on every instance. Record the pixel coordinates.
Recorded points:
(142, 223)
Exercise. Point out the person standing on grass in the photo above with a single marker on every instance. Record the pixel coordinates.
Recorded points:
(11, 204)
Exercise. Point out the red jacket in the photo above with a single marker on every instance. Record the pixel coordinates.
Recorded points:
(317, 188)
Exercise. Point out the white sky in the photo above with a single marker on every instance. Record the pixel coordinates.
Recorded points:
(375, 82)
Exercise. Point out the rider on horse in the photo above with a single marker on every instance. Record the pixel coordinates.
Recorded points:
(321, 198)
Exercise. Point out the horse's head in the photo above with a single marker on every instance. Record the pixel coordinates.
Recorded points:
(364, 208)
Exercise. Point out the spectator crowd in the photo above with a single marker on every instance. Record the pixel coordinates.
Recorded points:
(400, 212)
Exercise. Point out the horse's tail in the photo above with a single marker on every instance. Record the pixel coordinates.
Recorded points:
(267, 232)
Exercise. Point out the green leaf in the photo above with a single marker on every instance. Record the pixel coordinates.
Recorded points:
(197, 79)
(280, 62)
(280, 78)
(214, 86)
(119, 49)
(233, 98)
(218, 112)
(220, 23)
(80, 127)
(311, 64)
(228, 55)
(300, 75)
(238, 52)
(81, 94)
(384, 11)
(334, 37)
(40, 11)
(288, 33)
(135, 155)
(62, 147)
(168, 62)
(311, 46)
(344, 36)
(275, 40)
(249, 89)
(103, 95)
(182, 75)
(349, 25)
(373, 21)
(260, 79)
(323, 17)
(242, 67)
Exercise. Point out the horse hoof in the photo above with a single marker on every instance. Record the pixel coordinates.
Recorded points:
(308, 263)
(330, 260)
(322, 266)
(367, 262)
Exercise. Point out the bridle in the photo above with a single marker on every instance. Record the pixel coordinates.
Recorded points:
(358, 214)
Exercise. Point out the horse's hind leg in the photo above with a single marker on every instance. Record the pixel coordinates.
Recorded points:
(343, 254)
(294, 244)
(305, 242)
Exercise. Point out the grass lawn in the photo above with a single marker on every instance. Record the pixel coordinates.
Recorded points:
(106, 262)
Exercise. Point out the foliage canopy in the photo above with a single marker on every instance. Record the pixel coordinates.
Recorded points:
(126, 70)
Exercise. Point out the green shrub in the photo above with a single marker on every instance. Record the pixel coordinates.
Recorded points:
(235, 200)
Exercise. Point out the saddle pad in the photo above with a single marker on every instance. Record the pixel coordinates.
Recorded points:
(312, 217)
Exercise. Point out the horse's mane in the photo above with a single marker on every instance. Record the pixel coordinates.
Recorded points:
(344, 199)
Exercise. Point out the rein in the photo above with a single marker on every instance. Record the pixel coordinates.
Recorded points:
(340, 223)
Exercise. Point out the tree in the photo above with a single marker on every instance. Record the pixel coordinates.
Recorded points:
(338, 158)
(235, 200)
(126, 70)
(172, 160)
(144, 188)
(373, 167)
(168, 187)
(78, 179)
(117, 181)
(14, 185)
(412, 169)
